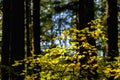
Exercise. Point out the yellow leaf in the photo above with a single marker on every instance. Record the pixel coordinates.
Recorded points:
(28, 77)
(83, 38)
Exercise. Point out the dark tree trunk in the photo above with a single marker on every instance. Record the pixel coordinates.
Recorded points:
(27, 26)
(36, 26)
(28, 43)
(82, 15)
(112, 23)
(17, 36)
(86, 14)
(5, 39)
(36, 32)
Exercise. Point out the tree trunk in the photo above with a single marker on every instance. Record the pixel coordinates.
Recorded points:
(27, 26)
(36, 26)
(17, 36)
(5, 39)
(86, 14)
(112, 23)
(36, 32)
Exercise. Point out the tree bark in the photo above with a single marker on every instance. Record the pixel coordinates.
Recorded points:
(112, 23)
(86, 14)
(5, 39)
(17, 36)
(28, 27)
(36, 26)
(36, 32)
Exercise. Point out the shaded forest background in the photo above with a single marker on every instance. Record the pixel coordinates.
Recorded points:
(29, 31)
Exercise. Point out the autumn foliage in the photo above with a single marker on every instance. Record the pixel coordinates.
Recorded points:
(78, 61)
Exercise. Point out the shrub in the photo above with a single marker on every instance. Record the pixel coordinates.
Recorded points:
(77, 61)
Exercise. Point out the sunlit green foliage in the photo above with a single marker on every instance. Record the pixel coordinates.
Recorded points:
(79, 61)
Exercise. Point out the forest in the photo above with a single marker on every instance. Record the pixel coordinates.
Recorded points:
(59, 39)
